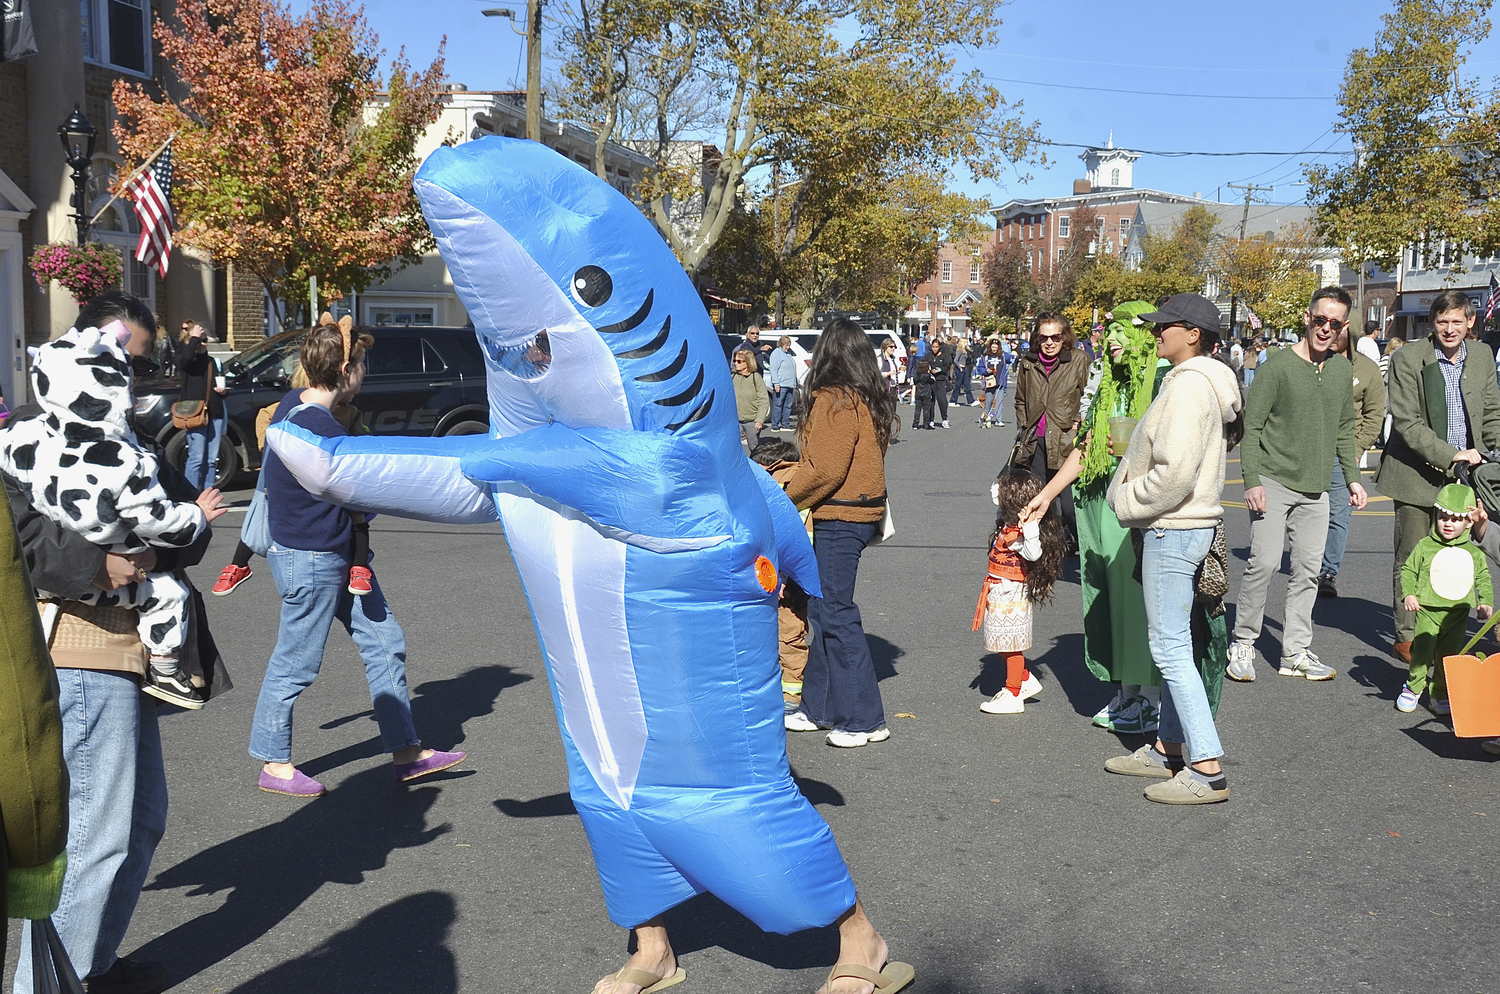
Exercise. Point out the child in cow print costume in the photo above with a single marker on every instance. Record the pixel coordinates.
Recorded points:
(79, 463)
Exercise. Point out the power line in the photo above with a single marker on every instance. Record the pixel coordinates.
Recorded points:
(1149, 93)
(1136, 65)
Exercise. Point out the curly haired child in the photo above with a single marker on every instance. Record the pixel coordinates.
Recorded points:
(1024, 564)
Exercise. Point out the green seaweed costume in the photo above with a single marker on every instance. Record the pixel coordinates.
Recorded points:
(1114, 608)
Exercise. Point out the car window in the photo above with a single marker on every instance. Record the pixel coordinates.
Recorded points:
(281, 360)
(431, 360)
(461, 351)
(395, 354)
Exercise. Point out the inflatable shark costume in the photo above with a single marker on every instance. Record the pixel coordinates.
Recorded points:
(650, 547)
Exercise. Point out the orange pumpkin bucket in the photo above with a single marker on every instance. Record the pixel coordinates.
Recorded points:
(1474, 690)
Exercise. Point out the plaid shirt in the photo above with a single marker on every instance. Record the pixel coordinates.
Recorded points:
(1453, 371)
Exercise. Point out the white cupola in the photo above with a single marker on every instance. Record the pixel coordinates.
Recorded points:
(1109, 168)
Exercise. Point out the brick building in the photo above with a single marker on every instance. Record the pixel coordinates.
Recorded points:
(942, 301)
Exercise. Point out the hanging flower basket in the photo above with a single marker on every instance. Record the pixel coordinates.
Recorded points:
(84, 271)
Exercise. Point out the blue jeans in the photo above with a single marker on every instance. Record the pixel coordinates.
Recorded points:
(839, 689)
(117, 813)
(963, 382)
(1169, 561)
(781, 407)
(1339, 510)
(202, 467)
(314, 591)
(991, 408)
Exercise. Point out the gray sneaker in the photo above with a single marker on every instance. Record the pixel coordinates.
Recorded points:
(1241, 662)
(1185, 788)
(1144, 762)
(1305, 664)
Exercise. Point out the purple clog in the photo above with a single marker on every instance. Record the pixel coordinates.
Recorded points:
(300, 785)
(406, 772)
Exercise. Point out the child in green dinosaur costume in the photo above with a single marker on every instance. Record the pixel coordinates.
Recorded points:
(1445, 576)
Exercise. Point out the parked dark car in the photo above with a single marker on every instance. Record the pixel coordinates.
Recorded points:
(418, 381)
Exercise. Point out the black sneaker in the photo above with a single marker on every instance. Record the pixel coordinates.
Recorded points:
(174, 688)
(129, 977)
(1328, 585)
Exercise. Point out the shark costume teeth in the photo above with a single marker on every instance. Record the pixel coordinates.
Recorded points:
(642, 533)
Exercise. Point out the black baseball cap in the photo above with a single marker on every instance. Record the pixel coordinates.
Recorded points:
(1187, 308)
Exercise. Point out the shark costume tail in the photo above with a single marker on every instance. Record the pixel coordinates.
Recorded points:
(651, 549)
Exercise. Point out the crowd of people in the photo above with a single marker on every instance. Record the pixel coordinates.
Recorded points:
(1119, 458)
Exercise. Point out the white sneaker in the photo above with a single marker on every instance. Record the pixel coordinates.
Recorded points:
(1004, 703)
(976, 403)
(947, 425)
(853, 740)
(999, 424)
(1105, 715)
(1030, 687)
(797, 721)
(1241, 662)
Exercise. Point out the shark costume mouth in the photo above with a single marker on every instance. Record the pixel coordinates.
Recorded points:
(525, 361)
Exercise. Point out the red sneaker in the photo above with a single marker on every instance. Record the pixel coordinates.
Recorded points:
(231, 577)
(359, 580)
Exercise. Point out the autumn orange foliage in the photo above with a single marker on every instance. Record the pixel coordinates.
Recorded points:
(279, 166)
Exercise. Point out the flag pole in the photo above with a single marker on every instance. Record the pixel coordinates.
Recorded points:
(134, 173)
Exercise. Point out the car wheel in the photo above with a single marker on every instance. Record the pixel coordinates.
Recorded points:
(229, 460)
(468, 428)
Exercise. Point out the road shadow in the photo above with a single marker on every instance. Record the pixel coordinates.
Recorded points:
(267, 874)
(705, 921)
(561, 805)
(1437, 737)
(1383, 675)
(439, 709)
(395, 950)
(885, 655)
(1064, 661)
(1366, 620)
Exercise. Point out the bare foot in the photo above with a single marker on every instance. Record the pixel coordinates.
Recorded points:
(281, 771)
(653, 955)
(410, 754)
(858, 943)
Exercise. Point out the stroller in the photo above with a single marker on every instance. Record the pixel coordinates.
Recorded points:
(1485, 479)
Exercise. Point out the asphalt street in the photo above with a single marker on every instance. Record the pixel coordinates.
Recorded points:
(1357, 852)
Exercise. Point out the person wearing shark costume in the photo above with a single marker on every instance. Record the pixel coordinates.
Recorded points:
(650, 548)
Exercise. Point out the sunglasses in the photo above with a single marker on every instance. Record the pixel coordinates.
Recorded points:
(1334, 324)
(1049, 338)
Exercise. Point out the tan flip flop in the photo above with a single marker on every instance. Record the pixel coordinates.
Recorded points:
(893, 978)
(649, 983)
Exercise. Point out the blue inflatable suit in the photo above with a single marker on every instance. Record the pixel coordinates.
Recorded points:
(649, 545)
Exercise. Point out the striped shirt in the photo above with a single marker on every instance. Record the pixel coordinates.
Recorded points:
(1453, 371)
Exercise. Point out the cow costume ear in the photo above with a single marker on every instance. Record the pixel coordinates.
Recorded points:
(115, 331)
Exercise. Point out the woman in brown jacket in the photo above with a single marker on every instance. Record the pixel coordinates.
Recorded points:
(845, 420)
(1050, 380)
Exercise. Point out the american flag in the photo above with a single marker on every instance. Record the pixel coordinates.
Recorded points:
(1489, 312)
(152, 192)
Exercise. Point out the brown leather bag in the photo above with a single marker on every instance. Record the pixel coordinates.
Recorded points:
(190, 414)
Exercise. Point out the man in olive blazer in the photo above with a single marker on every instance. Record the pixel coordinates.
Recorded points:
(1425, 441)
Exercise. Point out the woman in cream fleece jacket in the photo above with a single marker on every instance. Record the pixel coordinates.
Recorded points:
(1168, 485)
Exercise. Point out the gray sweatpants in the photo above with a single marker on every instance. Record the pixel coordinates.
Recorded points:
(1304, 519)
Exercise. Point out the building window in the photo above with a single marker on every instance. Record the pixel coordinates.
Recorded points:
(1114, 177)
(1063, 223)
(947, 298)
(1060, 253)
(117, 33)
(974, 271)
(1124, 228)
(947, 271)
(1030, 261)
(400, 316)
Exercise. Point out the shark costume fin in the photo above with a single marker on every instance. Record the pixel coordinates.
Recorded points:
(794, 551)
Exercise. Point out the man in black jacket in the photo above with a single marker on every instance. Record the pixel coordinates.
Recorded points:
(111, 743)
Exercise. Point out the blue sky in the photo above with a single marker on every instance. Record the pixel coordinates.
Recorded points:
(1264, 50)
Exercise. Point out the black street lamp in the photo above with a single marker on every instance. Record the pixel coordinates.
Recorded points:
(77, 136)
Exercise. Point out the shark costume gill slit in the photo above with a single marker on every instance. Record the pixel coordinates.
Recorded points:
(650, 547)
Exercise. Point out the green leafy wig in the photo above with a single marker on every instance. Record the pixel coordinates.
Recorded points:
(1126, 384)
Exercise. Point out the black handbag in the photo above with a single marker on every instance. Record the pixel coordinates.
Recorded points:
(51, 970)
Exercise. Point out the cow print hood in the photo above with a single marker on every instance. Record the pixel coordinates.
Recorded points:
(82, 382)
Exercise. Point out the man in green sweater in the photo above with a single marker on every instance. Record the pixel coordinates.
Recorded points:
(1298, 417)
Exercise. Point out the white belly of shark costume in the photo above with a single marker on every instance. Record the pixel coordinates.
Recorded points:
(649, 546)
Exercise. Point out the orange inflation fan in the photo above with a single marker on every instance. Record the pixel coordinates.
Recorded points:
(1474, 691)
(765, 573)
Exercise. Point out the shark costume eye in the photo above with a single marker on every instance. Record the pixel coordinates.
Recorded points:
(592, 286)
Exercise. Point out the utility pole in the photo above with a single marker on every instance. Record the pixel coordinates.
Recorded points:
(534, 70)
(1250, 190)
